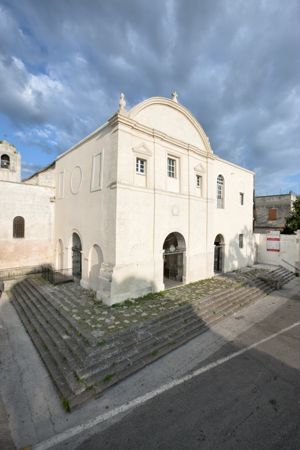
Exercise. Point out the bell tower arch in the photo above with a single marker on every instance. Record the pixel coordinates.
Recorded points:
(10, 162)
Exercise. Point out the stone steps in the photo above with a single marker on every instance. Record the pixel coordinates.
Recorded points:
(55, 346)
(74, 348)
(81, 370)
(164, 332)
(145, 356)
(51, 298)
(54, 369)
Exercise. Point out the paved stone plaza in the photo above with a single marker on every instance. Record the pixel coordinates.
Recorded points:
(102, 320)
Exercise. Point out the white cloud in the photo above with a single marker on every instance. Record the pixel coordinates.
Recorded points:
(235, 65)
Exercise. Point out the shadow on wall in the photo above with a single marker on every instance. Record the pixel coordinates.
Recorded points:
(241, 251)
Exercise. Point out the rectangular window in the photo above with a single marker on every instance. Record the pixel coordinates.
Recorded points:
(241, 240)
(272, 213)
(241, 198)
(140, 166)
(171, 168)
(199, 181)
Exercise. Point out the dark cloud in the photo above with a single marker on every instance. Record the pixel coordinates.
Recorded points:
(235, 64)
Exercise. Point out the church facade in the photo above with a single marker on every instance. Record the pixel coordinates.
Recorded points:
(143, 204)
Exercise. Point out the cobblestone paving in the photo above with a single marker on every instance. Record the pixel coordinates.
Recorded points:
(101, 320)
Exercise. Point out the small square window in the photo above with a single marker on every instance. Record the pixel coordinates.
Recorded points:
(140, 166)
(241, 198)
(171, 168)
(241, 241)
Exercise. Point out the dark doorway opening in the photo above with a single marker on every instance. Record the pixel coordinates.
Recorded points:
(174, 260)
(76, 257)
(219, 254)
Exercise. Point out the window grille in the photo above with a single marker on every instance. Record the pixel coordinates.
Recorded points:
(140, 166)
(199, 181)
(220, 191)
(241, 198)
(171, 168)
(241, 241)
(18, 227)
(5, 162)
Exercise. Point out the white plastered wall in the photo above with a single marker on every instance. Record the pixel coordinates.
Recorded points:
(234, 218)
(85, 204)
(288, 256)
(147, 213)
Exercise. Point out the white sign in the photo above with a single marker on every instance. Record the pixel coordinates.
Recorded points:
(273, 241)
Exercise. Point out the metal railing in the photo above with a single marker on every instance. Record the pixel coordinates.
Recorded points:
(297, 269)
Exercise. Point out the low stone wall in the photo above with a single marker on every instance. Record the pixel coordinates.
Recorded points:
(287, 256)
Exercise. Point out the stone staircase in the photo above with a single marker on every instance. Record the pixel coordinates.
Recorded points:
(82, 367)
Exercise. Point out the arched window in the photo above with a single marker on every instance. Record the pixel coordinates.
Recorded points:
(19, 227)
(5, 162)
(220, 191)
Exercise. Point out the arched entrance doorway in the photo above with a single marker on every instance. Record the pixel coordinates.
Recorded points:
(219, 254)
(76, 256)
(174, 259)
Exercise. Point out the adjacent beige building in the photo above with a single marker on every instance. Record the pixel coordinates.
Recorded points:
(271, 211)
(143, 204)
(26, 216)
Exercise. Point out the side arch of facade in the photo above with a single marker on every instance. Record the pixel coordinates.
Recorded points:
(95, 260)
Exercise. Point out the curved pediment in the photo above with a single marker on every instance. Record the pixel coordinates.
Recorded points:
(171, 118)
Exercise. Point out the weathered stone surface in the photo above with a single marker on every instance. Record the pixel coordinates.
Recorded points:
(86, 356)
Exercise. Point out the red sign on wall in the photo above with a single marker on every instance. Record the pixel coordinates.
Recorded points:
(273, 241)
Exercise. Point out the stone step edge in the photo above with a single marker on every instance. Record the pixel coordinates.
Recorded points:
(185, 323)
(151, 322)
(58, 318)
(43, 311)
(63, 389)
(113, 378)
(67, 373)
(66, 317)
(174, 318)
(149, 328)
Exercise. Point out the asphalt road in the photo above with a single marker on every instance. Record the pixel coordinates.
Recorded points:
(252, 401)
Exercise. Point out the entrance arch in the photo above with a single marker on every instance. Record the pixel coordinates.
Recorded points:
(219, 254)
(174, 259)
(76, 256)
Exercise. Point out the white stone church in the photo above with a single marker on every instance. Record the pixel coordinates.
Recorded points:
(140, 205)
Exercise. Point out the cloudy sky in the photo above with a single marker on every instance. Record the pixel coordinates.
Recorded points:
(234, 63)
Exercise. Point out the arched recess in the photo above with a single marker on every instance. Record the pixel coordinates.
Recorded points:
(76, 256)
(59, 255)
(5, 162)
(19, 227)
(95, 261)
(219, 254)
(174, 248)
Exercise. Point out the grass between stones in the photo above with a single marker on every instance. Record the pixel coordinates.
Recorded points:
(102, 320)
